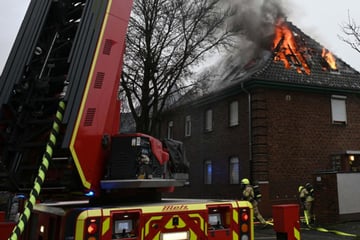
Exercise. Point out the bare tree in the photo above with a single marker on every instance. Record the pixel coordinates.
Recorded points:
(165, 39)
(351, 33)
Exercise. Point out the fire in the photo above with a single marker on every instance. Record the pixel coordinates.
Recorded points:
(286, 50)
(329, 58)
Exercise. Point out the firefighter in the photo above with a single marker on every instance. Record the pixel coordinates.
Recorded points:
(144, 167)
(257, 192)
(306, 195)
(248, 195)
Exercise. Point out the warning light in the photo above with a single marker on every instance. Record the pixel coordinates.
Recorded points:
(244, 228)
(90, 194)
(244, 216)
(92, 228)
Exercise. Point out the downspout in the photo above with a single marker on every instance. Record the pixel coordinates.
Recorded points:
(249, 127)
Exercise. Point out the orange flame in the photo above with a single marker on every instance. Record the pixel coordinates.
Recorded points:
(286, 50)
(329, 58)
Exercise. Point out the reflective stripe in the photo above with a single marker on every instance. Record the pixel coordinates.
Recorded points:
(235, 235)
(170, 225)
(105, 226)
(202, 221)
(235, 216)
(147, 225)
(296, 233)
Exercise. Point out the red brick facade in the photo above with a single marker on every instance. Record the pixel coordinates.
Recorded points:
(292, 137)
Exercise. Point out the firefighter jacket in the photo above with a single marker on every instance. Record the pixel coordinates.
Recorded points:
(248, 193)
(305, 195)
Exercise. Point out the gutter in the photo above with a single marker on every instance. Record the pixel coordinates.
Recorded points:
(249, 125)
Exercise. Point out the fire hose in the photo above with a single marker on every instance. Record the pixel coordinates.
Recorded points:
(39, 180)
(321, 229)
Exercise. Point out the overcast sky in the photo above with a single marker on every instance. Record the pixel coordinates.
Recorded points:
(320, 19)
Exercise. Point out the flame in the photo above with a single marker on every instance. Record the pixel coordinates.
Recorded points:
(286, 50)
(329, 58)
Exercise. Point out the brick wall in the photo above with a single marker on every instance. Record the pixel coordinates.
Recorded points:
(301, 137)
(292, 138)
(218, 146)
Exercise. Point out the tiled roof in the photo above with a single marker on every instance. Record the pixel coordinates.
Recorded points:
(316, 73)
(321, 75)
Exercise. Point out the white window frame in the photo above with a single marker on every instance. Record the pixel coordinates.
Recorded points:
(208, 169)
(188, 126)
(234, 170)
(338, 109)
(234, 113)
(170, 130)
(208, 120)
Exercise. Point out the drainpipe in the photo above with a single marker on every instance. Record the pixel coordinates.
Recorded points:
(249, 125)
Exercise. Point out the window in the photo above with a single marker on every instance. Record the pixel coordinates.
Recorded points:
(338, 109)
(234, 113)
(215, 219)
(123, 226)
(207, 172)
(208, 120)
(170, 130)
(187, 126)
(234, 170)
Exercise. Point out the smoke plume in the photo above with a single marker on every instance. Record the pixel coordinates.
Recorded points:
(254, 20)
(253, 24)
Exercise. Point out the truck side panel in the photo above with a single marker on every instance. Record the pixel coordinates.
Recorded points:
(99, 110)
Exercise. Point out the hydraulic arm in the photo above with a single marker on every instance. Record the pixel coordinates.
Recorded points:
(71, 51)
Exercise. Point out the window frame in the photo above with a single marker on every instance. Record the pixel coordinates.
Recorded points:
(234, 165)
(209, 122)
(234, 113)
(338, 109)
(170, 129)
(208, 170)
(187, 125)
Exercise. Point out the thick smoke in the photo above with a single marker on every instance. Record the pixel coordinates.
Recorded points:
(254, 19)
(253, 24)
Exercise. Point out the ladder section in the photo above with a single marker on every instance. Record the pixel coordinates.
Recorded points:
(33, 82)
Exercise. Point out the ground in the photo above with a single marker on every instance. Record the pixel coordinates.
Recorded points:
(336, 232)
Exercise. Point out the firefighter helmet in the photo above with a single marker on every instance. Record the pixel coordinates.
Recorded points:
(245, 181)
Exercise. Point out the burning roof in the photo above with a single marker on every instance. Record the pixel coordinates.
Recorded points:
(296, 58)
(292, 58)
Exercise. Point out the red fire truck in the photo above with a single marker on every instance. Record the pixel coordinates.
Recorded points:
(166, 219)
(59, 135)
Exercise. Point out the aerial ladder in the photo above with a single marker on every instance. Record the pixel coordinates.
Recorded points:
(60, 139)
(59, 102)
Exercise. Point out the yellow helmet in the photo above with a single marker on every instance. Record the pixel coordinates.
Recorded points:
(245, 181)
(300, 188)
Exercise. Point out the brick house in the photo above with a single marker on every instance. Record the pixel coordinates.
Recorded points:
(285, 115)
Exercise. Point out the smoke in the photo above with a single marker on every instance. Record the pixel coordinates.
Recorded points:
(254, 20)
(252, 23)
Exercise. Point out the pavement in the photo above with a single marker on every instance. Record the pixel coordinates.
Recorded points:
(340, 231)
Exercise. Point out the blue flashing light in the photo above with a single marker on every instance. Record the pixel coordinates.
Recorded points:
(20, 196)
(90, 194)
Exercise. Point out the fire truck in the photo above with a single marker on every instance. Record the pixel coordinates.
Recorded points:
(59, 136)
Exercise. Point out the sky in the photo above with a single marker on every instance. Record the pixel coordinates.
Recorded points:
(319, 19)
